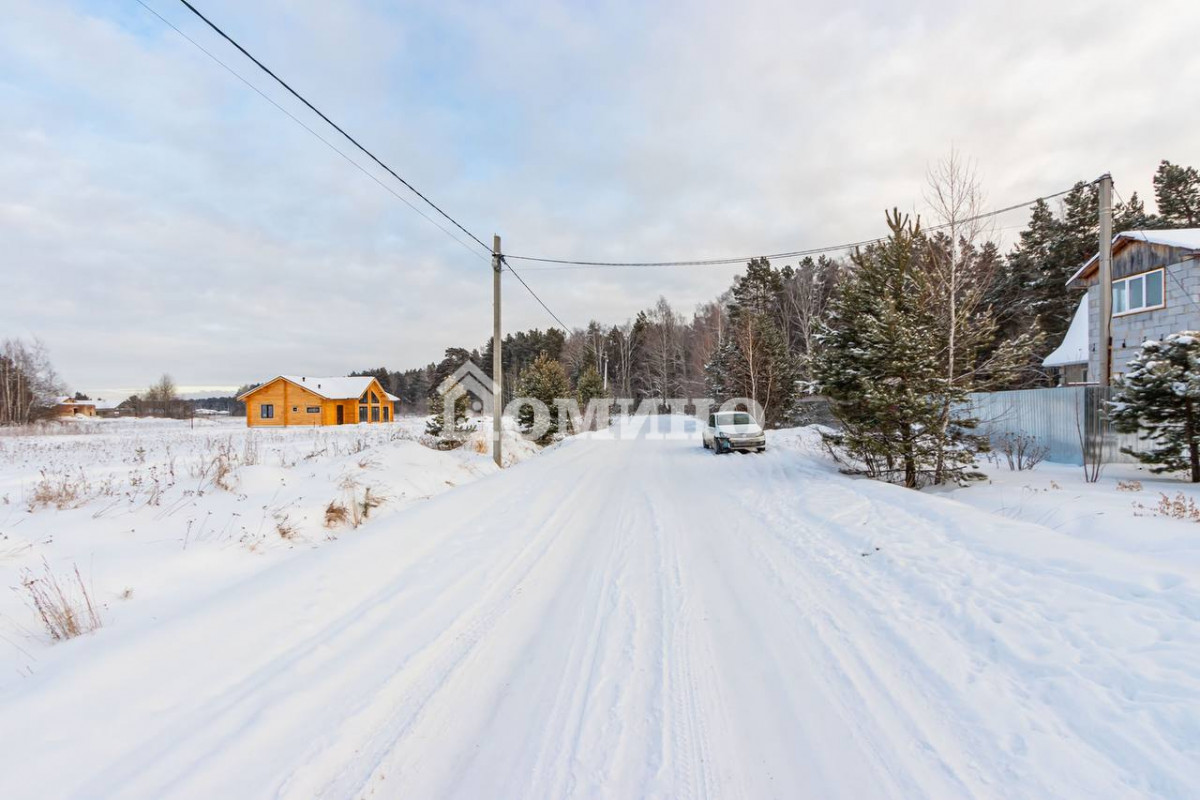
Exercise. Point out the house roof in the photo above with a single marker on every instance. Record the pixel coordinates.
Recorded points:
(329, 388)
(1075, 345)
(1186, 238)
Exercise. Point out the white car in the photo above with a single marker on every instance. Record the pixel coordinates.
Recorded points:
(733, 430)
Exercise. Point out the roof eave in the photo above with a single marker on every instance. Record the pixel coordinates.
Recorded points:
(249, 392)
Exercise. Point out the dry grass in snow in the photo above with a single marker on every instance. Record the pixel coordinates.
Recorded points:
(63, 604)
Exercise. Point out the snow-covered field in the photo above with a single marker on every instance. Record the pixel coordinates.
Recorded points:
(158, 513)
(613, 618)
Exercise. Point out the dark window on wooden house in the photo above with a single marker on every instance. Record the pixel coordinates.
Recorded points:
(385, 413)
(375, 414)
(266, 411)
(313, 409)
(362, 413)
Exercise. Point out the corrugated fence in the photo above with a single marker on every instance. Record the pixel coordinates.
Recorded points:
(1061, 420)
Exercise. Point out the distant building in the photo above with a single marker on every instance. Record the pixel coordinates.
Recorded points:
(1156, 291)
(70, 407)
(305, 400)
(108, 408)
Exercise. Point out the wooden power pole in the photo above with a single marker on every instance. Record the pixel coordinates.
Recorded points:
(1106, 287)
(497, 380)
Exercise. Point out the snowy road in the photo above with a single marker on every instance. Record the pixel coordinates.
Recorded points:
(643, 619)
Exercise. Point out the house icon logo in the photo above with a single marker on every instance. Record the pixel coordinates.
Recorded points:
(469, 379)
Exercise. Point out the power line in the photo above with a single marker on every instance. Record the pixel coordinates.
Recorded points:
(558, 263)
(337, 150)
(308, 128)
(333, 124)
(561, 324)
(697, 262)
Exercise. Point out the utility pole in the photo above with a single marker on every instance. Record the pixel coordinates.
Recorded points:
(1105, 256)
(497, 383)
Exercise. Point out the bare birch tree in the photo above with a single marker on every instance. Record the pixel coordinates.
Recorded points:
(958, 271)
(808, 293)
(621, 346)
(28, 383)
(663, 351)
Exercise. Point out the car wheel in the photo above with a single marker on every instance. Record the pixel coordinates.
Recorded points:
(762, 449)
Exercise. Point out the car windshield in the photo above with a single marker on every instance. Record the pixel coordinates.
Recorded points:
(736, 418)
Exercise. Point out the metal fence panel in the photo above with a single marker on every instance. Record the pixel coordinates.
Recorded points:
(1061, 419)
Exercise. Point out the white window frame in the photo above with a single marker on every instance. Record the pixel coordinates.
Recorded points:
(1122, 284)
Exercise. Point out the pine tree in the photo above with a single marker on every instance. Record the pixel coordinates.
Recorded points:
(1025, 278)
(879, 365)
(1177, 194)
(1132, 216)
(1030, 293)
(1075, 240)
(544, 380)
(590, 386)
(1160, 396)
(437, 426)
(972, 356)
(753, 360)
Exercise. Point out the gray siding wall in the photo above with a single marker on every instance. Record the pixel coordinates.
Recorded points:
(1057, 418)
(1181, 291)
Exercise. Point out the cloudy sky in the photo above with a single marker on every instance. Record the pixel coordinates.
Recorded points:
(156, 215)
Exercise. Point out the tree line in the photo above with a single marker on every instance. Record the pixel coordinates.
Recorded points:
(894, 335)
(898, 330)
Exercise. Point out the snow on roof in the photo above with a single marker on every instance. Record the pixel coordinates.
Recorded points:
(1075, 346)
(1186, 238)
(330, 388)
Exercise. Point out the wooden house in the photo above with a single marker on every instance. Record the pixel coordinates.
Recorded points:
(70, 407)
(305, 400)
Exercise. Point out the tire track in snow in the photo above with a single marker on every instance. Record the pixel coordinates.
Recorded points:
(407, 702)
(341, 646)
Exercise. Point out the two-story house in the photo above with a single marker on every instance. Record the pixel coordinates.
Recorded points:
(1156, 291)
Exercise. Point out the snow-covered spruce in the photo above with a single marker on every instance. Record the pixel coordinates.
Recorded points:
(1160, 398)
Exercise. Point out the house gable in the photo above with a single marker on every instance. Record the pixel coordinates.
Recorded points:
(1141, 251)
